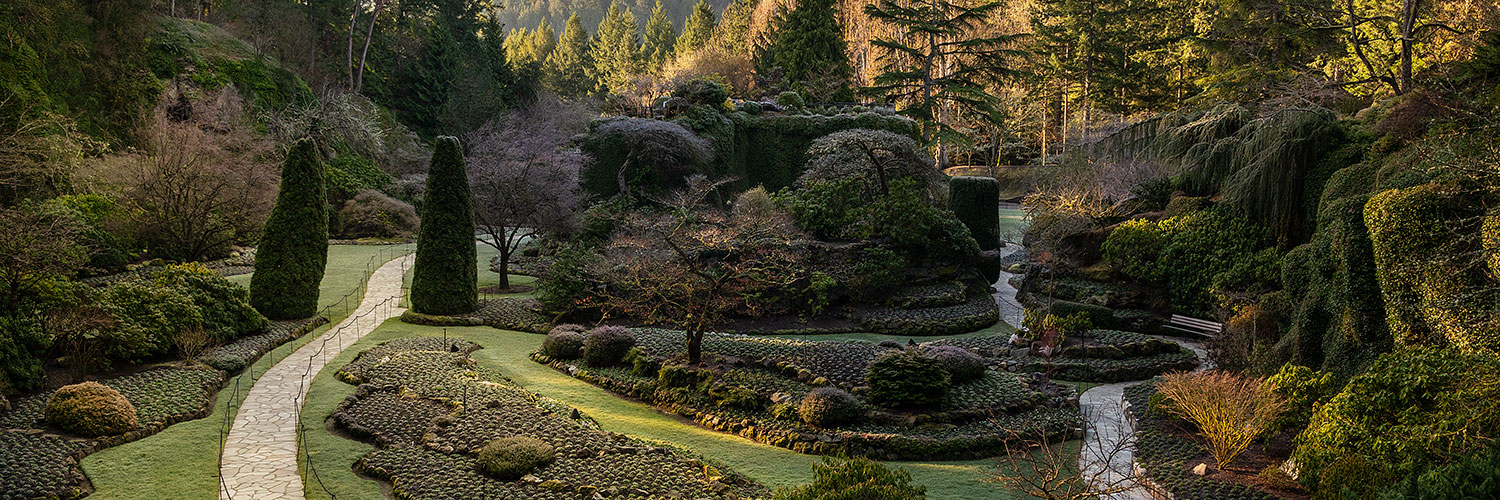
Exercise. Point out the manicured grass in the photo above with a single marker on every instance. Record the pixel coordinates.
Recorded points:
(1012, 224)
(507, 351)
(181, 461)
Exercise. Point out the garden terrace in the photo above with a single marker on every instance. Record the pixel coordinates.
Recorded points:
(428, 410)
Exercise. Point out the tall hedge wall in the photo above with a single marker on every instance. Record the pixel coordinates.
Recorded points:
(765, 150)
(446, 278)
(293, 248)
(976, 203)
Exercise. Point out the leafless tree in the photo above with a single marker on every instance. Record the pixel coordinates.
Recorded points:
(1041, 467)
(524, 176)
(35, 247)
(81, 331)
(38, 149)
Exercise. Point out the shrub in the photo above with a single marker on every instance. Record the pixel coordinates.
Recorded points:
(293, 249)
(509, 458)
(749, 107)
(906, 379)
(641, 364)
(225, 305)
(1133, 248)
(733, 396)
(961, 364)
(90, 409)
(606, 345)
(878, 272)
(1476, 476)
(791, 101)
(149, 319)
(1152, 194)
(1411, 409)
(564, 342)
(1229, 410)
(349, 174)
(1304, 389)
(859, 478)
(445, 278)
(672, 376)
(372, 214)
(702, 91)
(829, 407)
(976, 201)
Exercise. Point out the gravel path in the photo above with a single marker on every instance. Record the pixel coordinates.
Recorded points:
(260, 452)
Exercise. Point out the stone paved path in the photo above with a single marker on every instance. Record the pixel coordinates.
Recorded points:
(260, 452)
(1107, 458)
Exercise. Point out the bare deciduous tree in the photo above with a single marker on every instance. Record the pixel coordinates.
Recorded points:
(524, 176)
(1042, 467)
(36, 247)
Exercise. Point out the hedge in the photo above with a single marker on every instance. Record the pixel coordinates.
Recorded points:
(293, 250)
(976, 202)
(445, 280)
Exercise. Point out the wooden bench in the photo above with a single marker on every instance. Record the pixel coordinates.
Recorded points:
(1194, 326)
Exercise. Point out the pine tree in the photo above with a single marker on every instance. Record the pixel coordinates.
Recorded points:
(430, 80)
(570, 67)
(1095, 48)
(660, 38)
(733, 31)
(697, 29)
(293, 249)
(617, 49)
(808, 46)
(937, 65)
(445, 277)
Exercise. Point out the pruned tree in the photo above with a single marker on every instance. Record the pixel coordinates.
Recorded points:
(293, 249)
(525, 177)
(659, 151)
(875, 157)
(694, 265)
(445, 276)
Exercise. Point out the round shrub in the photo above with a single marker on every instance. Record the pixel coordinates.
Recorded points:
(829, 407)
(510, 458)
(563, 342)
(962, 365)
(90, 409)
(606, 345)
(906, 379)
(372, 214)
(750, 108)
(790, 100)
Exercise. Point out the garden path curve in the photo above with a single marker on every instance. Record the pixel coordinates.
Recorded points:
(259, 460)
(1107, 458)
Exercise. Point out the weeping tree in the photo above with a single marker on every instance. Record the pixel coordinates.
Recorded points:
(293, 249)
(445, 278)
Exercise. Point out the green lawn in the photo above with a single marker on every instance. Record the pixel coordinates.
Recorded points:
(506, 351)
(1012, 223)
(180, 462)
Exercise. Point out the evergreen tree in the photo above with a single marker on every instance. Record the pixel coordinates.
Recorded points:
(660, 38)
(570, 67)
(1097, 49)
(938, 64)
(697, 29)
(807, 44)
(733, 31)
(430, 80)
(293, 249)
(445, 278)
(617, 49)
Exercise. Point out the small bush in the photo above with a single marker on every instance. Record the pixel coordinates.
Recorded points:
(1230, 411)
(829, 407)
(961, 364)
(858, 478)
(674, 376)
(733, 396)
(641, 364)
(1304, 389)
(1476, 476)
(563, 342)
(510, 458)
(606, 345)
(371, 214)
(90, 409)
(906, 379)
(702, 91)
(750, 108)
(791, 101)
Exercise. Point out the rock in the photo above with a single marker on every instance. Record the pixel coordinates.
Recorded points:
(780, 397)
(1201, 469)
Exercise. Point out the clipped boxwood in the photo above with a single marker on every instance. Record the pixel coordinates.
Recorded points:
(509, 458)
(907, 379)
(606, 345)
(976, 203)
(91, 409)
(830, 407)
(445, 280)
(293, 251)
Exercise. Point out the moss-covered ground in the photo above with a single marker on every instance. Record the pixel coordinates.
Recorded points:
(507, 351)
(180, 462)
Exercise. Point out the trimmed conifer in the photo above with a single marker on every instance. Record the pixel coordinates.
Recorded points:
(293, 249)
(445, 278)
(976, 203)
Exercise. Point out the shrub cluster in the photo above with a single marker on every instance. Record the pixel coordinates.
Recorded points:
(907, 379)
(606, 345)
(564, 342)
(860, 478)
(372, 214)
(509, 458)
(829, 407)
(91, 409)
(1186, 253)
(148, 316)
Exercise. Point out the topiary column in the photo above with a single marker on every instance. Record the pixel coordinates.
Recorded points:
(445, 280)
(976, 202)
(293, 247)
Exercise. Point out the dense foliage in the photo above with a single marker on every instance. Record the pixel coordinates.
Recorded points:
(445, 276)
(90, 409)
(293, 250)
(855, 478)
(907, 379)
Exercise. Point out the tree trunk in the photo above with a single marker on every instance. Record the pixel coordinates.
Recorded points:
(1408, 29)
(505, 266)
(359, 80)
(349, 50)
(695, 347)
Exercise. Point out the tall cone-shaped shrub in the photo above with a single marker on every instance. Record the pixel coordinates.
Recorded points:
(445, 280)
(976, 202)
(293, 248)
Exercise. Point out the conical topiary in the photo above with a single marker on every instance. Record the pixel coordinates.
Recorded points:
(976, 203)
(445, 280)
(293, 247)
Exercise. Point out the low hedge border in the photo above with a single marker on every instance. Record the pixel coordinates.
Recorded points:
(876, 445)
(505, 313)
(1109, 370)
(976, 313)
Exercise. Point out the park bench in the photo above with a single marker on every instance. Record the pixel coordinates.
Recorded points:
(1194, 326)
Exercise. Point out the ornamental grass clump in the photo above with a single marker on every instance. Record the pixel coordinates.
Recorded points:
(829, 407)
(510, 458)
(606, 345)
(1229, 410)
(90, 409)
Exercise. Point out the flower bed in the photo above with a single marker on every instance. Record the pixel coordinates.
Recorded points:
(506, 313)
(235, 356)
(428, 411)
